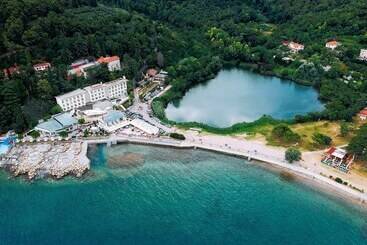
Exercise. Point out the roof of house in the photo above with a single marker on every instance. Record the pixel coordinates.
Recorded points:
(72, 93)
(11, 70)
(339, 153)
(363, 112)
(330, 150)
(42, 64)
(294, 45)
(152, 72)
(79, 63)
(57, 123)
(113, 116)
(332, 43)
(108, 59)
(144, 126)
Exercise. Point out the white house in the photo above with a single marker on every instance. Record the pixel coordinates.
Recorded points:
(363, 54)
(113, 62)
(116, 89)
(42, 66)
(295, 47)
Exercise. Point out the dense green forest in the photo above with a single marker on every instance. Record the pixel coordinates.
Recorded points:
(194, 37)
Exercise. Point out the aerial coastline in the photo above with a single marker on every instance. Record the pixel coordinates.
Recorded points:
(37, 158)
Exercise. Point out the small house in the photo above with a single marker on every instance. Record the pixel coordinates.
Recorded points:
(332, 44)
(363, 114)
(41, 66)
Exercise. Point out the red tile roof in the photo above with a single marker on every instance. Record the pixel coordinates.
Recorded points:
(363, 112)
(11, 70)
(330, 150)
(152, 72)
(108, 59)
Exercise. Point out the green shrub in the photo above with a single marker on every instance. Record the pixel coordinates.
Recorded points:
(35, 134)
(292, 154)
(63, 134)
(339, 180)
(321, 139)
(81, 121)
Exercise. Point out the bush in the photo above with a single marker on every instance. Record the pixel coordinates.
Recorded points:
(285, 134)
(63, 134)
(55, 109)
(321, 139)
(81, 121)
(35, 134)
(177, 136)
(339, 180)
(292, 154)
(344, 129)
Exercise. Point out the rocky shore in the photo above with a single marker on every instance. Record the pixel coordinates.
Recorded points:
(54, 160)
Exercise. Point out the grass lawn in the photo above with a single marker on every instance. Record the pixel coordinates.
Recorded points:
(305, 130)
(331, 129)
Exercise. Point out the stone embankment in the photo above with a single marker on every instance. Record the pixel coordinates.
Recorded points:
(54, 160)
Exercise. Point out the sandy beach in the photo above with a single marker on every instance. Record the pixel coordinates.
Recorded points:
(309, 168)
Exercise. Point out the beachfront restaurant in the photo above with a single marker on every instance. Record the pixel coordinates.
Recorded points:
(112, 121)
(338, 158)
(57, 124)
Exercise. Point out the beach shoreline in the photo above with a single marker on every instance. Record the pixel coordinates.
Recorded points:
(318, 181)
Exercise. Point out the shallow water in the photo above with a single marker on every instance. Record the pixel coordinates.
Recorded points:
(237, 95)
(174, 197)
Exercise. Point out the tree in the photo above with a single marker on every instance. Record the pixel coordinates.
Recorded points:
(344, 129)
(63, 134)
(160, 59)
(321, 139)
(55, 109)
(44, 89)
(177, 136)
(292, 154)
(358, 144)
(34, 134)
(284, 133)
(81, 120)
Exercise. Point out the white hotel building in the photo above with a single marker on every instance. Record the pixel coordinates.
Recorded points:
(116, 89)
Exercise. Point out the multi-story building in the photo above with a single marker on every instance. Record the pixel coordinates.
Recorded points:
(113, 62)
(72, 100)
(116, 89)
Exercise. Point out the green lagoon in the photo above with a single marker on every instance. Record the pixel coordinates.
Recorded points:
(237, 95)
(147, 195)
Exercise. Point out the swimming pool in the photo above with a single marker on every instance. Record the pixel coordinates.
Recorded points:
(4, 147)
(5, 144)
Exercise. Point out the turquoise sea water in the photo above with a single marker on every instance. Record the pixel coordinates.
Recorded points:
(237, 95)
(168, 196)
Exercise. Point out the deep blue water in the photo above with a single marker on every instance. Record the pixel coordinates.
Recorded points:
(174, 197)
(237, 95)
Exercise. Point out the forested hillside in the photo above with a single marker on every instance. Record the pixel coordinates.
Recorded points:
(194, 37)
